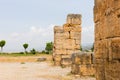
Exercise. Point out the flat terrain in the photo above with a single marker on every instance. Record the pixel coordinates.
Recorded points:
(26, 69)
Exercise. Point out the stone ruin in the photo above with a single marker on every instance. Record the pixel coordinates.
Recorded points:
(67, 40)
(107, 39)
(83, 64)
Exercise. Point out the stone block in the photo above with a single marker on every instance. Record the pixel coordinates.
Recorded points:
(86, 70)
(60, 51)
(112, 70)
(57, 57)
(116, 4)
(75, 35)
(102, 49)
(74, 69)
(58, 29)
(66, 62)
(66, 35)
(57, 63)
(74, 19)
(77, 42)
(69, 52)
(114, 49)
(71, 27)
(69, 44)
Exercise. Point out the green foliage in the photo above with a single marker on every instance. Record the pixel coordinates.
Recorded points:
(49, 47)
(33, 51)
(81, 48)
(43, 52)
(25, 47)
(92, 49)
(2, 44)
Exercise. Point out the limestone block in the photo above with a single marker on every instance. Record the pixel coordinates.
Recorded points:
(86, 70)
(86, 58)
(113, 25)
(69, 44)
(66, 56)
(99, 10)
(59, 35)
(115, 48)
(57, 57)
(74, 19)
(58, 41)
(74, 69)
(100, 72)
(57, 63)
(77, 47)
(70, 52)
(117, 4)
(66, 35)
(71, 27)
(101, 30)
(60, 51)
(58, 46)
(77, 42)
(112, 70)
(66, 62)
(75, 35)
(101, 49)
(58, 29)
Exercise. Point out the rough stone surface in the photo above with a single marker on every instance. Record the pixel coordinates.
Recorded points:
(82, 64)
(107, 39)
(67, 39)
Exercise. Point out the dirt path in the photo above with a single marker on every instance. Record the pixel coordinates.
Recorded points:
(35, 71)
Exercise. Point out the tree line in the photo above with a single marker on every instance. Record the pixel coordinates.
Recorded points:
(48, 48)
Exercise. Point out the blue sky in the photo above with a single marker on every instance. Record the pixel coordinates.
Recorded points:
(32, 21)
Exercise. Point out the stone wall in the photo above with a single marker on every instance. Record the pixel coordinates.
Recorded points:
(67, 40)
(107, 39)
(82, 64)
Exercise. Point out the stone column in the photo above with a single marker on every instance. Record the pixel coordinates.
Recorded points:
(107, 39)
(67, 39)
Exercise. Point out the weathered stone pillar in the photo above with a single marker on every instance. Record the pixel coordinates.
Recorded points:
(107, 39)
(67, 39)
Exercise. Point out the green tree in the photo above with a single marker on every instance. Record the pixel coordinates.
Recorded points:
(2, 44)
(33, 51)
(25, 47)
(49, 47)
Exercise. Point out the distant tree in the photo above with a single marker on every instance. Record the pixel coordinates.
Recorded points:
(25, 47)
(2, 44)
(81, 48)
(33, 51)
(49, 47)
(92, 49)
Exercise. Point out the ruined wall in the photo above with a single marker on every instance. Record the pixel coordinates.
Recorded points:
(107, 39)
(82, 64)
(67, 39)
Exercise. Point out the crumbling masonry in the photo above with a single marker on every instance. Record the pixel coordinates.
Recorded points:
(67, 40)
(107, 39)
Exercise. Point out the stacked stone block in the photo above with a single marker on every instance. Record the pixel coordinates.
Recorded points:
(82, 64)
(107, 39)
(67, 39)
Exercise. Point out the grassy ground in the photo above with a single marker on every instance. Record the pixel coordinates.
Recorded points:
(22, 54)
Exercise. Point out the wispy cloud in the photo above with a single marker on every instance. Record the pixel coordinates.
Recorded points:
(36, 37)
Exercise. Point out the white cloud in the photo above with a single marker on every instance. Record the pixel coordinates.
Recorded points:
(36, 37)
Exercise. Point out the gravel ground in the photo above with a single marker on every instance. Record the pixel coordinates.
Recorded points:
(36, 71)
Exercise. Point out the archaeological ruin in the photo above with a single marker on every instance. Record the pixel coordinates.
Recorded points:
(107, 39)
(67, 40)
(83, 64)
